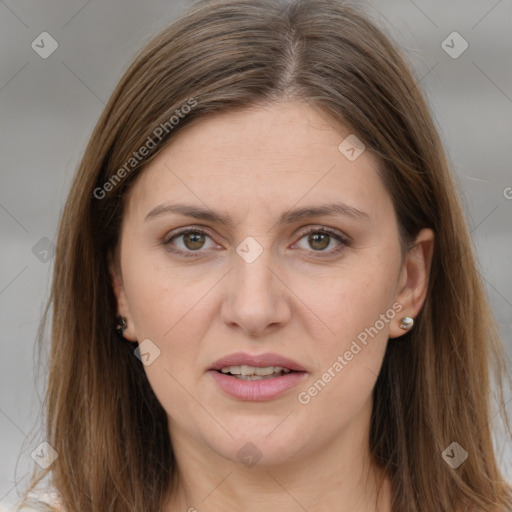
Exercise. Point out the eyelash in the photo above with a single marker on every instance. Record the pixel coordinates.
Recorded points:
(195, 254)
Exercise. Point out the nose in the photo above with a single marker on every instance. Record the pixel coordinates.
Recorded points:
(257, 299)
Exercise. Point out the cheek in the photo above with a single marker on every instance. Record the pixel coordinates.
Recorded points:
(352, 302)
(163, 300)
(174, 311)
(171, 315)
(358, 307)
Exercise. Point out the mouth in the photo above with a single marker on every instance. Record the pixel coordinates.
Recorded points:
(256, 377)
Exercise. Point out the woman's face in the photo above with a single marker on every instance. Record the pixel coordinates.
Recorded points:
(256, 293)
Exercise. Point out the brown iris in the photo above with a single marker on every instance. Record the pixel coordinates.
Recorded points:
(193, 241)
(321, 238)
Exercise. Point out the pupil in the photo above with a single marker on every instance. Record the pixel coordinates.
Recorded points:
(314, 239)
(197, 240)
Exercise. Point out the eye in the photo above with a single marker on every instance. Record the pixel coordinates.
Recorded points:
(320, 239)
(192, 241)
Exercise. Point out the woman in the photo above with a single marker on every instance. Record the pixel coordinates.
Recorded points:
(266, 217)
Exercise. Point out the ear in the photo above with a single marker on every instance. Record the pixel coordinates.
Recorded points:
(123, 308)
(414, 279)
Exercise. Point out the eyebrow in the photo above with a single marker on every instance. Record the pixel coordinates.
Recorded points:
(288, 217)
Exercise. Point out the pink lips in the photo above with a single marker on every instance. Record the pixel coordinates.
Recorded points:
(257, 390)
(260, 361)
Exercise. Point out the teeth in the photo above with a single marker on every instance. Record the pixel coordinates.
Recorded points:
(253, 371)
(256, 377)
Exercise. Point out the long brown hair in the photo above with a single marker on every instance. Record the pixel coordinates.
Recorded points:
(434, 388)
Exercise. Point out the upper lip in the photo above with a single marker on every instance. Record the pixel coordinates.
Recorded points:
(257, 360)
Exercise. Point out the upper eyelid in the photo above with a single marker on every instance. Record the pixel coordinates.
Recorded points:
(183, 231)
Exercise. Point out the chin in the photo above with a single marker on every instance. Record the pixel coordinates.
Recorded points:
(259, 441)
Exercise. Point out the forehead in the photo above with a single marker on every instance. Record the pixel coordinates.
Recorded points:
(258, 159)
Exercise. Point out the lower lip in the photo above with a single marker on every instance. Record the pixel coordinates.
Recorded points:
(257, 390)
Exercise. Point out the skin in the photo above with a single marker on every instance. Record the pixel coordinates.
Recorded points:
(254, 165)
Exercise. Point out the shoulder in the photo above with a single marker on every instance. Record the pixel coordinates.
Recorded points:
(41, 502)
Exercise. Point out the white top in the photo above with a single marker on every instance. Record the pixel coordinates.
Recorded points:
(41, 502)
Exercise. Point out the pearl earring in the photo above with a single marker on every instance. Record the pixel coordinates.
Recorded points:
(406, 323)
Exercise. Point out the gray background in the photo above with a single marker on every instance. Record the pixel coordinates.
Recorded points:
(49, 107)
